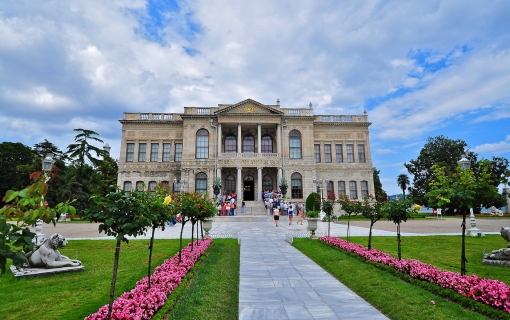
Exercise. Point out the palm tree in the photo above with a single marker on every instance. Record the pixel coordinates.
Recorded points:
(403, 182)
(82, 150)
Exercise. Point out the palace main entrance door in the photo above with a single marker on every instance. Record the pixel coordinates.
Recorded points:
(248, 188)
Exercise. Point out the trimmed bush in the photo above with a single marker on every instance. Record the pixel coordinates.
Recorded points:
(313, 202)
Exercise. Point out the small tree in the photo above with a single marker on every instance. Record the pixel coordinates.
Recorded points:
(120, 214)
(372, 212)
(398, 211)
(349, 207)
(327, 207)
(313, 202)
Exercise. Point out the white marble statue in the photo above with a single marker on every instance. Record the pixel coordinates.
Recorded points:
(47, 255)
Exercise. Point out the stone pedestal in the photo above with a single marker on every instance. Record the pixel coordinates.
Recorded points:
(474, 231)
(506, 193)
(28, 272)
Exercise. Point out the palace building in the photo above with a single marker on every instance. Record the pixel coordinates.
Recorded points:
(250, 146)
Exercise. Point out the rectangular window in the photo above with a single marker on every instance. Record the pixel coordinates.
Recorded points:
(364, 189)
(350, 153)
(152, 186)
(317, 151)
(142, 150)
(139, 185)
(296, 189)
(295, 147)
(341, 188)
(130, 152)
(166, 152)
(331, 190)
(327, 153)
(154, 152)
(353, 193)
(339, 153)
(127, 186)
(361, 153)
(178, 152)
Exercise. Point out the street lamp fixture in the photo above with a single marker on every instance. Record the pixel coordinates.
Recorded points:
(107, 148)
(465, 163)
(319, 183)
(180, 184)
(47, 164)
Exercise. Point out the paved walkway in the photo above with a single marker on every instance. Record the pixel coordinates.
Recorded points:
(280, 282)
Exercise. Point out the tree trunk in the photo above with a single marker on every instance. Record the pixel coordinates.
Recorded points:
(150, 256)
(180, 239)
(114, 278)
(348, 228)
(370, 236)
(202, 229)
(192, 231)
(398, 241)
(329, 223)
(463, 260)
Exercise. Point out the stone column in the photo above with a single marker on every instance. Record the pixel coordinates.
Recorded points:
(160, 150)
(278, 139)
(259, 183)
(137, 148)
(239, 187)
(279, 177)
(259, 138)
(219, 139)
(239, 138)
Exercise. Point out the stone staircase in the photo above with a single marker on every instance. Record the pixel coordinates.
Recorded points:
(255, 212)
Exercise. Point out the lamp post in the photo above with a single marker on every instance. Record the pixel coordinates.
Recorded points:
(180, 184)
(319, 184)
(465, 164)
(47, 165)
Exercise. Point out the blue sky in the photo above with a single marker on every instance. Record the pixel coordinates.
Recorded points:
(419, 68)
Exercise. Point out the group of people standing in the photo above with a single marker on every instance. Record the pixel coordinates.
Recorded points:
(276, 206)
(227, 204)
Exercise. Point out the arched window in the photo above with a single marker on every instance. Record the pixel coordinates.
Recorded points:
(140, 185)
(127, 186)
(267, 144)
(152, 186)
(201, 182)
(267, 183)
(230, 183)
(248, 144)
(202, 149)
(295, 144)
(230, 143)
(296, 184)
(330, 190)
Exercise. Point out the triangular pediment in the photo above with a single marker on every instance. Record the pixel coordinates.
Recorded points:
(248, 107)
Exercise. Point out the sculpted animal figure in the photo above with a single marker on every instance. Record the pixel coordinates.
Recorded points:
(495, 211)
(48, 256)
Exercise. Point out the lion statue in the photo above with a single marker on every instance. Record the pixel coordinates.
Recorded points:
(48, 256)
(495, 211)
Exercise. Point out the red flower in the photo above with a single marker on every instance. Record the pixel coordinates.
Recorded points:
(198, 205)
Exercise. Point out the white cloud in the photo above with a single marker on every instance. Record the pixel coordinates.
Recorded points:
(497, 148)
(384, 151)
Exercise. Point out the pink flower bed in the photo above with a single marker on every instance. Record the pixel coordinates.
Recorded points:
(141, 302)
(491, 292)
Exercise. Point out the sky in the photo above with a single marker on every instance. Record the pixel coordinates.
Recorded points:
(419, 68)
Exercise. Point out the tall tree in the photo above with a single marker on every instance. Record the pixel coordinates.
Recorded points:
(82, 150)
(380, 194)
(403, 182)
(16, 163)
(107, 173)
(46, 148)
(446, 153)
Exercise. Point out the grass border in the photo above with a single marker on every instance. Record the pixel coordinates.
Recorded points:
(465, 302)
(178, 292)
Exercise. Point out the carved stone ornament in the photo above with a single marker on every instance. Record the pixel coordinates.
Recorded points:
(500, 257)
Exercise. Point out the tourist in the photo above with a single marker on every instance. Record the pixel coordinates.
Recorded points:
(227, 207)
(300, 213)
(224, 209)
(233, 208)
(291, 213)
(276, 215)
(243, 207)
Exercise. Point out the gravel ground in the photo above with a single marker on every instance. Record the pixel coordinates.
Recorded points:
(80, 230)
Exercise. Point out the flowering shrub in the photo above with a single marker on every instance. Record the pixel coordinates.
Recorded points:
(142, 302)
(491, 292)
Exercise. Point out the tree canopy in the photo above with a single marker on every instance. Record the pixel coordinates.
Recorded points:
(446, 152)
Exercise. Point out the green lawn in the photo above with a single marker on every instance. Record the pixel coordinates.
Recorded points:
(76, 295)
(395, 298)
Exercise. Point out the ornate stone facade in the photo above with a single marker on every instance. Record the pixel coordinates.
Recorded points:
(250, 146)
